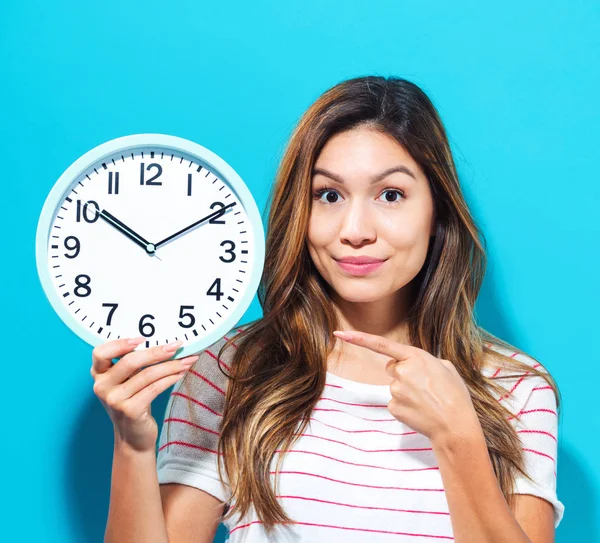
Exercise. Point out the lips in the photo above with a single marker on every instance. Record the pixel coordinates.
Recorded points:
(365, 266)
(358, 260)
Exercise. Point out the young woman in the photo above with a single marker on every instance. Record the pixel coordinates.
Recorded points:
(419, 426)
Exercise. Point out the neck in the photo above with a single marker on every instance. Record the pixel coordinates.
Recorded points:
(385, 317)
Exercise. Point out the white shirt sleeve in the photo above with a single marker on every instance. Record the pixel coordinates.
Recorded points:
(187, 447)
(537, 429)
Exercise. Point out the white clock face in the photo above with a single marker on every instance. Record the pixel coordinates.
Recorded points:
(127, 258)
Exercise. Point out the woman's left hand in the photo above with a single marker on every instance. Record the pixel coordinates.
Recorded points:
(428, 394)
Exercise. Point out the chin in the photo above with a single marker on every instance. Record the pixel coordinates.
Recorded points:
(358, 293)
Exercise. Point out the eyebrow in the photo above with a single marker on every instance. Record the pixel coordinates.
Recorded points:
(374, 179)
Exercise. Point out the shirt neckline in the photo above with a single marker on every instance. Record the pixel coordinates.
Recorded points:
(357, 386)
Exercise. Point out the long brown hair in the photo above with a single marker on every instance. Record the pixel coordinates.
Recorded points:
(278, 368)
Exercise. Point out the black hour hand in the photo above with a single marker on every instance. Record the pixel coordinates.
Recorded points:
(129, 232)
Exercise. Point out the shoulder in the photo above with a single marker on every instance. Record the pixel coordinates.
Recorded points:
(217, 354)
(517, 382)
(214, 350)
(205, 384)
(496, 366)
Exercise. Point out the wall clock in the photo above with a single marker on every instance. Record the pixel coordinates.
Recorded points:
(150, 235)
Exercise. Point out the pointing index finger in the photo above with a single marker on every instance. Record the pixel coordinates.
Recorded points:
(378, 344)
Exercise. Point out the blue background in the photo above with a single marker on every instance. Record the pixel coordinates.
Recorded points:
(516, 85)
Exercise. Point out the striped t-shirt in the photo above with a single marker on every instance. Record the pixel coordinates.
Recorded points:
(356, 474)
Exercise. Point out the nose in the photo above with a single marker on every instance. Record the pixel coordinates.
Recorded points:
(357, 226)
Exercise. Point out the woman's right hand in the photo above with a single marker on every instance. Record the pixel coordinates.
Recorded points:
(127, 388)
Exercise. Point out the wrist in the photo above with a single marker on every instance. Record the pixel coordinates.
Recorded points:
(124, 448)
(467, 431)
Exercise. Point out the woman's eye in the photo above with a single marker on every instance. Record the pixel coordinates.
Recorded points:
(398, 193)
(333, 198)
(319, 193)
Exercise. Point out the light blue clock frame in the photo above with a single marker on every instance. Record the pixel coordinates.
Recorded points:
(130, 144)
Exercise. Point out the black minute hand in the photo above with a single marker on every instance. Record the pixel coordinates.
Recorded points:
(187, 228)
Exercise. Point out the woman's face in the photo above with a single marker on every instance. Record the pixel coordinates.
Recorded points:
(360, 212)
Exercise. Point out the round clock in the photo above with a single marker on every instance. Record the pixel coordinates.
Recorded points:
(150, 235)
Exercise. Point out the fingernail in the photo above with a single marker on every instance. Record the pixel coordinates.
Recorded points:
(342, 335)
(190, 361)
(173, 346)
(136, 341)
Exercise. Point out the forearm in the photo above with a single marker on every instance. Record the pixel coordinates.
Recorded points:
(478, 510)
(135, 512)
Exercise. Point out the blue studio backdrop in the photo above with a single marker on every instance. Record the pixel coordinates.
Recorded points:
(516, 84)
